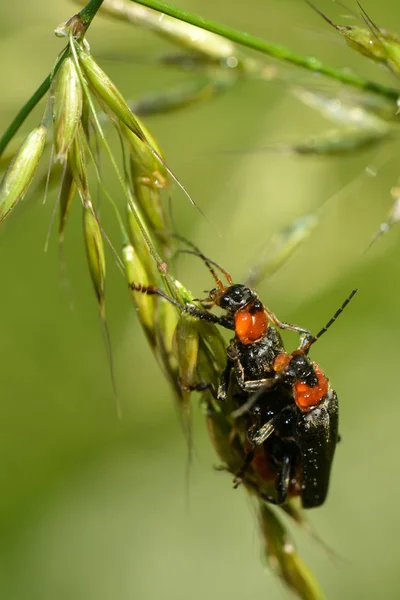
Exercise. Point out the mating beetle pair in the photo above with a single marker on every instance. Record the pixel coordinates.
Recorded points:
(283, 402)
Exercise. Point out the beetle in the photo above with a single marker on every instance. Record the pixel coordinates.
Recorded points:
(292, 425)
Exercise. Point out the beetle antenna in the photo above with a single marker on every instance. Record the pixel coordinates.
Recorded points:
(310, 341)
(197, 252)
(210, 262)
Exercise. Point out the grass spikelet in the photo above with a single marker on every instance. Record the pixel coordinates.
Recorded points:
(95, 253)
(136, 239)
(66, 195)
(149, 178)
(107, 93)
(283, 559)
(21, 171)
(145, 305)
(97, 268)
(146, 165)
(187, 342)
(76, 159)
(378, 44)
(93, 238)
(67, 107)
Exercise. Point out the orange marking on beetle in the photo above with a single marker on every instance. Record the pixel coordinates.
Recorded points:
(282, 362)
(250, 326)
(306, 396)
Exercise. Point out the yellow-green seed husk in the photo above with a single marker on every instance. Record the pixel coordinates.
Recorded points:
(187, 348)
(150, 201)
(149, 177)
(67, 107)
(379, 45)
(77, 163)
(375, 45)
(108, 94)
(137, 241)
(146, 164)
(167, 318)
(67, 193)
(95, 253)
(136, 272)
(21, 170)
(393, 55)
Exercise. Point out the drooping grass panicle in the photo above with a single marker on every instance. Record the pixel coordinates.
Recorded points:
(191, 352)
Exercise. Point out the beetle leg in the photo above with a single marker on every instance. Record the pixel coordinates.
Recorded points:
(289, 326)
(196, 387)
(224, 383)
(256, 439)
(282, 485)
(244, 408)
(244, 468)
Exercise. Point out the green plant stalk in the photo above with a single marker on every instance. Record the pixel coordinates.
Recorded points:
(274, 50)
(89, 12)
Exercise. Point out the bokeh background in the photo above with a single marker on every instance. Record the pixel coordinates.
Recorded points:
(92, 508)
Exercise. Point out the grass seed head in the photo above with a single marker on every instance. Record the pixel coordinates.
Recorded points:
(21, 170)
(67, 107)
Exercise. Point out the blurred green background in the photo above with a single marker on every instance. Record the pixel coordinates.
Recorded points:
(92, 508)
